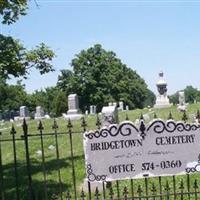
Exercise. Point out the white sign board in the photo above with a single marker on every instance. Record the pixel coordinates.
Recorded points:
(127, 151)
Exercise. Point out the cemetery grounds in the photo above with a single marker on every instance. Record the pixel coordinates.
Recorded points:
(59, 173)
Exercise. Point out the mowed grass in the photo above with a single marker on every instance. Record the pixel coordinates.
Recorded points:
(53, 165)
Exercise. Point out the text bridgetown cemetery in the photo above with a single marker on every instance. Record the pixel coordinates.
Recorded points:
(127, 151)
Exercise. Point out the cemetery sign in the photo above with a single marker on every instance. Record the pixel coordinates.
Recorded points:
(124, 151)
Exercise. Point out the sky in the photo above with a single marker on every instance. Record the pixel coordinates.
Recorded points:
(148, 36)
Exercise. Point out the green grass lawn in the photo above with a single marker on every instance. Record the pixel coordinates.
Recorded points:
(64, 164)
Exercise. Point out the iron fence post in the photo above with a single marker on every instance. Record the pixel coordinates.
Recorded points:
(40, 128)
(55, 127)
(28, 163)
(69, 126)
(1, 173)
(13, 132)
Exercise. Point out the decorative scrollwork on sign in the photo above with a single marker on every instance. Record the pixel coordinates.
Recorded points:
(159, 126)
(125, 129)
(195, 168)
(92, 177)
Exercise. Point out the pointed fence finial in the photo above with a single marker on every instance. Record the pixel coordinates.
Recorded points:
(127, 118)
(181, 185)
(153, 189)
(111, 193)
(69, 124)
(68, 196)
(155, 116)
(125, 192)
(142, 130)
(170, 115)
(198, 116)
(83, 123)
(196, 184)
(139, 190)
(141, 117)
(82, 195)
(167, 188)
(184, 118)
(97, 193)
(55, 125)
(25, 127)
(98, 123)
(12, 131)
(40, 126)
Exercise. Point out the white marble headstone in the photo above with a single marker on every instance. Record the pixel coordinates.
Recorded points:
(109, 115)
(73, 112)
(121, 105)
(23, 111)
(93, 110)
(39, 113)
(110, 104)
(73, 104)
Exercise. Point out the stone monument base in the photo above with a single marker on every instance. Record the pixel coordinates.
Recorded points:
(182, 107)
(72, 112)
(39, 118)
(17, 118)
(162, 102)
(74, 116)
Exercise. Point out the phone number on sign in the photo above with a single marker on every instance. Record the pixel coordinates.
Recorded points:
(163, 165)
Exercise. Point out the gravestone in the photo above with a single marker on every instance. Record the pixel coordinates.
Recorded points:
(109, 115)
(24, 113)
(182, 105)
(73, 112)
(146, 117)
(121, 106)
(93, 110)
(110, 104)
(86, 112)
(39, 114)
(73, 104)
(192, 117)
(162, 100)
(127, 107)
(115, 104)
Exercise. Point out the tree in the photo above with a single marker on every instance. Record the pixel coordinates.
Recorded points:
(53, 100)
(150, 99)
(12, 96)
(16, 61)
(98, 77)
(191, 94)
(12, 9)
(60, 104)
(174, 98)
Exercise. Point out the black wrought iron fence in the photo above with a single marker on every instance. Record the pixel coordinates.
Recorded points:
(60, 174)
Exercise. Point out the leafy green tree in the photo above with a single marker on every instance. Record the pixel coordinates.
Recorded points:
(60, 104)
(191, 94)
(98, 77)
(16, 61)
(12, 9)
(12, 96)
(174, 98)
(150, 99)
(53, 100)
